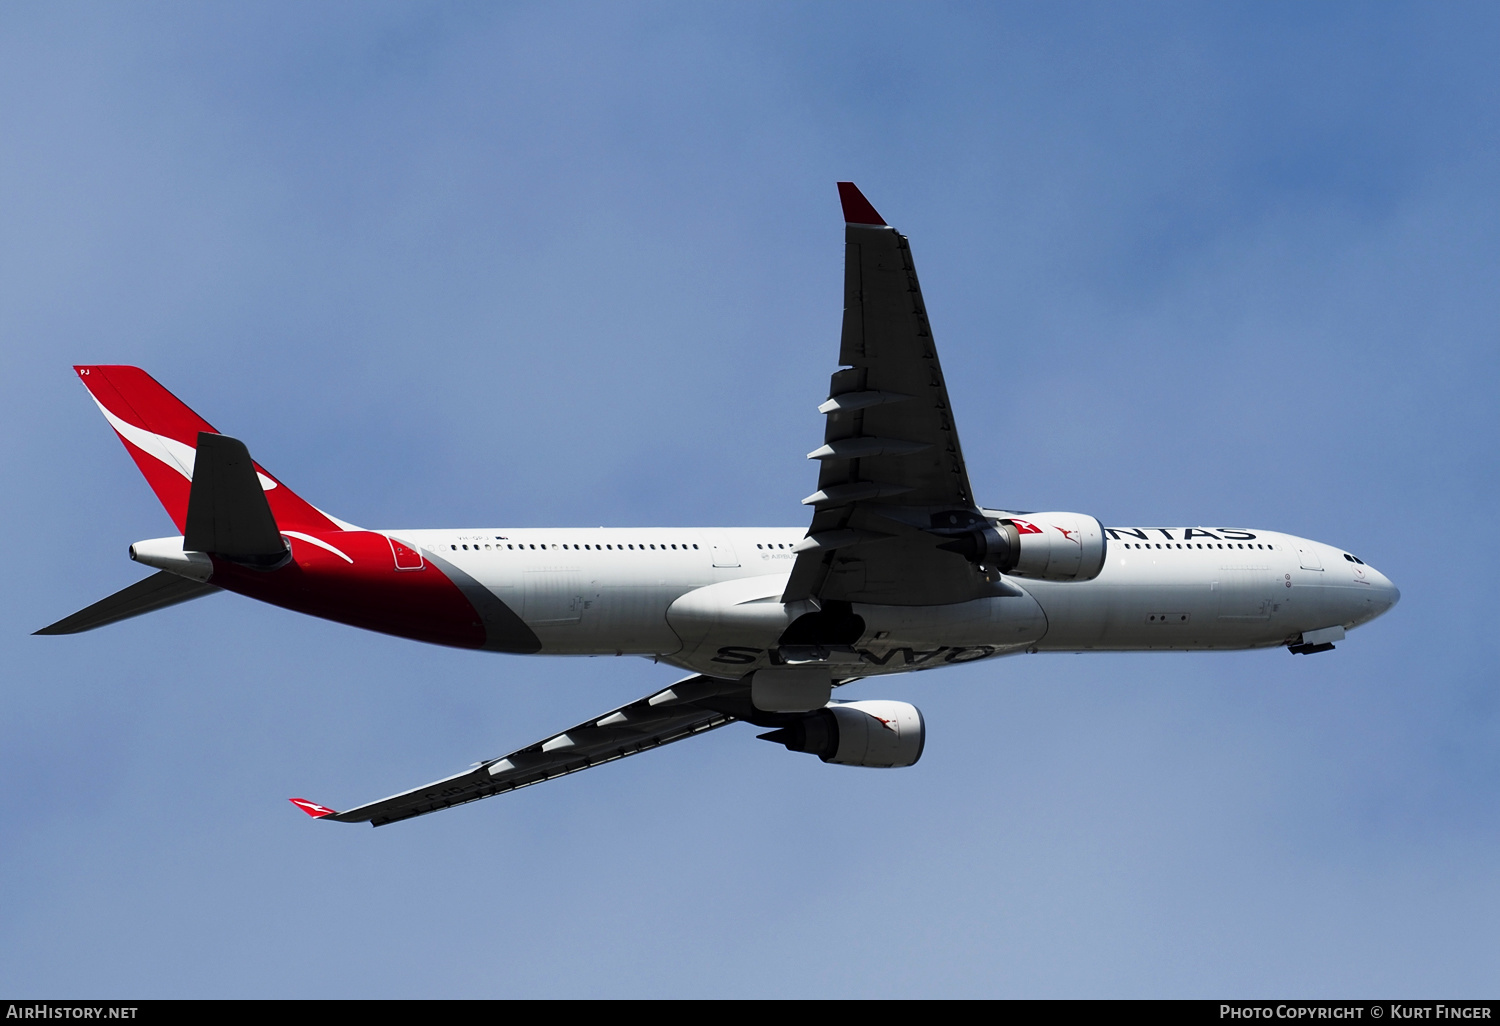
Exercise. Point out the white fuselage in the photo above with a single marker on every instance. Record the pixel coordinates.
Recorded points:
(708, 600)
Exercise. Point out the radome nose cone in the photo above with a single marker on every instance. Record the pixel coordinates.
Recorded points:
(1388, 592)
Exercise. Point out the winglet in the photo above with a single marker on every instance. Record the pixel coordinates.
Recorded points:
(313, 809)
(857, 209)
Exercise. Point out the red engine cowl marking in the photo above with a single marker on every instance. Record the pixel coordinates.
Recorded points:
(370, 592)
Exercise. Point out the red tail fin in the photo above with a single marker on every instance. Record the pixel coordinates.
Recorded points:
(161, 435)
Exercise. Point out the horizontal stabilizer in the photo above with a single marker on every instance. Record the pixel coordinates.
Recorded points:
(227, 512)
(156, 592)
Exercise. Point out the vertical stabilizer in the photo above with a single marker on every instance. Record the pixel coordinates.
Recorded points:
(161, 434)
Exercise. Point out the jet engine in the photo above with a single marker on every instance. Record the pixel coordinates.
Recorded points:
(875, 733)
(1047, 546)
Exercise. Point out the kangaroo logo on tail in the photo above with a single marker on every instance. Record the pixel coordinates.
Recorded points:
(161, 434)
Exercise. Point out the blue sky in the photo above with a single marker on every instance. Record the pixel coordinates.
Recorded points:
(533, 264)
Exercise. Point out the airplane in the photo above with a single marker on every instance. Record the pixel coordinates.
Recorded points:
(899, 570)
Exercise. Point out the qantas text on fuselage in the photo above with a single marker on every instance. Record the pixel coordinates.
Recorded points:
(900, 569)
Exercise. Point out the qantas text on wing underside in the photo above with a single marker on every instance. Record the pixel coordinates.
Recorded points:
(899, 570)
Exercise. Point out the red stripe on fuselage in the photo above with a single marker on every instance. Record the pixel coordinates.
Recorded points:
(369, 592)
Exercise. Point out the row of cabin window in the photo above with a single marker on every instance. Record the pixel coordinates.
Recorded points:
(1243, 545)
(593, 548)
(768, 545)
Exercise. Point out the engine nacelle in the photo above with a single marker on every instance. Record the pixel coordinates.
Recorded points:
(1057, 546)
(1047, 546)
(876, 733)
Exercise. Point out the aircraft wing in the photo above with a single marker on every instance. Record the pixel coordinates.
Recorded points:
(891, 464)
(691, 706)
